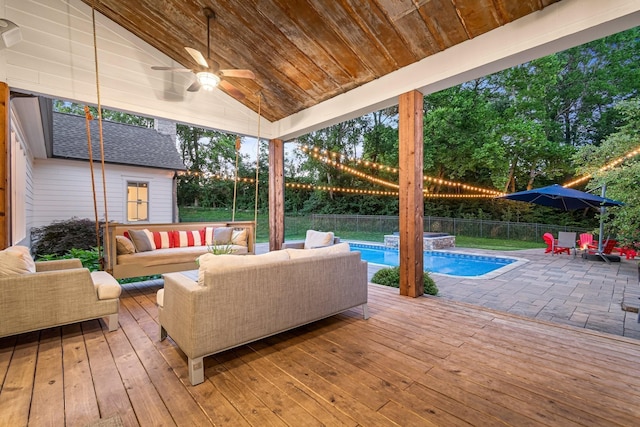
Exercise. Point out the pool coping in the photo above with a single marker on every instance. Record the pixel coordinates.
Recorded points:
(519, 262)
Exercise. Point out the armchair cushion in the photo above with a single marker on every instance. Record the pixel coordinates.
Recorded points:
(106, 286)
(316, 239)
(16, 260)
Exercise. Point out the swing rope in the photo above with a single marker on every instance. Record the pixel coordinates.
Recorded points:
(88, 117)
(104, 181)
(235, 182)
(255, 210)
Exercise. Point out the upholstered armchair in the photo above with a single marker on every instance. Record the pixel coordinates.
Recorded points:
(39, 295)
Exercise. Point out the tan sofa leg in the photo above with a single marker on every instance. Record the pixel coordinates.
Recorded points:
(163, 333)
(365, 311)
(196, 370)
(112, 322)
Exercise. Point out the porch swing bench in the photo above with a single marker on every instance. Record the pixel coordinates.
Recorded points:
(136, 250)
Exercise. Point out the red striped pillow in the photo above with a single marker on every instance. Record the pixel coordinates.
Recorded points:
(163, 239)
(187, 238)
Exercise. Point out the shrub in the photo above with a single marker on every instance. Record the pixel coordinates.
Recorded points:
(59, 237)
(391, 277)
(89, 258)
(387, 277)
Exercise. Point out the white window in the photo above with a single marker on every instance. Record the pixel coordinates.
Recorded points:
(137, 201)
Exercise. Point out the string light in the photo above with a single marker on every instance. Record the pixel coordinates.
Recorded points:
(336, 159)
(322, 157)
(604, 168)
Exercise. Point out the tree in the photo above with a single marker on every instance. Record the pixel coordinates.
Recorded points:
(111, 115)
(623, 181)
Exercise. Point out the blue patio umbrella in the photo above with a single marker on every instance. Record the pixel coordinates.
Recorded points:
(557, 196)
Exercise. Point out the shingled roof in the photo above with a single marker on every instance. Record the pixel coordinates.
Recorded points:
(123, 144)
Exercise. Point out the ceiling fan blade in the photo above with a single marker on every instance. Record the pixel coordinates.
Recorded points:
(197, 56)
(241, 74)
(231, 89)
(161, 68)
(194, 87)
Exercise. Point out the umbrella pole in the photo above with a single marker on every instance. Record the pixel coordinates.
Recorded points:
(602, 211)
(600, 235)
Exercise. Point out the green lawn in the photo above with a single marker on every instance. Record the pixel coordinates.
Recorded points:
(295, 229)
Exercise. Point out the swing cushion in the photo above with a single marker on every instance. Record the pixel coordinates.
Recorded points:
(239, 237)
(163, 239)
(183, 239)
(124, 246)
(217, 235)
(141, 241)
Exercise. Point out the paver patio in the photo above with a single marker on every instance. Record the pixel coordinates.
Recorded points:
(556, 288)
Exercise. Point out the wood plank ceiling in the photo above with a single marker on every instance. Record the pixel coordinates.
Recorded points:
(304, 52)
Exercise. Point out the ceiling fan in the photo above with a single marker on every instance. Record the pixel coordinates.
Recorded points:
(208, 73)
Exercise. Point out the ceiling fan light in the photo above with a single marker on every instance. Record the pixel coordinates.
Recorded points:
(208, 81)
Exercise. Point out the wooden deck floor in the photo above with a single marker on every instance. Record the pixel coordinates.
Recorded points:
(421, 361)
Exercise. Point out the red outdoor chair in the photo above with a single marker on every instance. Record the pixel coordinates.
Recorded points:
(607, 248)
(586, 239)
(552, 245)
(550, 241)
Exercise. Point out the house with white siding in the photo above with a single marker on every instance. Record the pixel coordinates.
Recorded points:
(52, 178)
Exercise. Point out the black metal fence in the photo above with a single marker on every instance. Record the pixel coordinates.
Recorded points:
(378, 224)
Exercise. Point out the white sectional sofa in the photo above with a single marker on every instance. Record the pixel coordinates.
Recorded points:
(232, 301)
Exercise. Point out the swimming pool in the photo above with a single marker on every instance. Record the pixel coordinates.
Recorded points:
(452, 264)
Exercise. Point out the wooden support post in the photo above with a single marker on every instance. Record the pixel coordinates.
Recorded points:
(411, 199)
(276, 194)
(5, 172)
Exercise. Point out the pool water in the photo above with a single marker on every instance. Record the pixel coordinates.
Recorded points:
(454, 264)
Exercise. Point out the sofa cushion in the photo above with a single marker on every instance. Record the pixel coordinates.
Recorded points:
(16, 260)
(240, 237)
(160, 297)
(222, 235)
(316, 239)
(328, 250)
(182, 239)
(124, 246)
(162, 239)
(140, 240)
(212, 263)
(106, 286)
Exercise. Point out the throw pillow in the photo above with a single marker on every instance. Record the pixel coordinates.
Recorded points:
(150, 237)
(163, 239)
(239, 237)
(124, 246)
(208, 236)
(140, 240)
(183, 239)
(328, 250)
(317, 239)
(16, 260)
(211, 262)
(222, 235)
